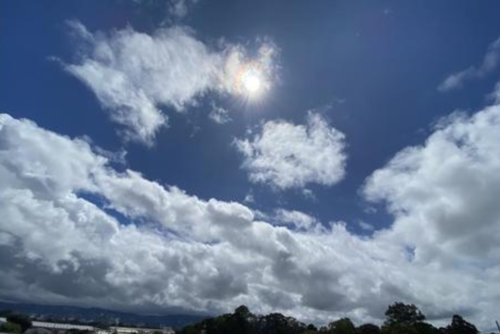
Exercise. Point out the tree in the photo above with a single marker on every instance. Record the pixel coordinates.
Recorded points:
(242, 311)
(403, 314)
(10, 327)
(312, 328)
(20, 319)
(277, 323)
(342, 326)
(425, 328)
(460, 326)
(368, 329)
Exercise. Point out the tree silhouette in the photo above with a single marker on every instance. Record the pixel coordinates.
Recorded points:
(403, 314)
(341, 326)
(460, 326)
(368, 329)
(20, 319)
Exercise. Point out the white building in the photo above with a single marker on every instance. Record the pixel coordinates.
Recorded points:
(112, 329)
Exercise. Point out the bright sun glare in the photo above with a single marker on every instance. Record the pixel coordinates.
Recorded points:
(252, 82)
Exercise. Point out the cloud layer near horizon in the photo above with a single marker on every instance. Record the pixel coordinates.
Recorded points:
(75, 230)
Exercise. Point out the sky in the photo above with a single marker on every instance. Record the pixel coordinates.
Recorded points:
(321, 159)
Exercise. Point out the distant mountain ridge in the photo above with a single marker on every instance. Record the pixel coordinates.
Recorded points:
(74, 314)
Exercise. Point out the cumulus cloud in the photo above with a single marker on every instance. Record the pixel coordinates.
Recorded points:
(134, 75)
(285, 155)
(62, 240)
(444, 197)
(489, 64)
(447, 189)
(296, 219)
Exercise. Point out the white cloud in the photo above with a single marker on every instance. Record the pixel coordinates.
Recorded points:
(489, 64)
(286, 156)
(180, 8)
(219, 115)
(180, 253)
(297, 219)
(444, 196)
(134, 75)
(365, 226)
(447, 189)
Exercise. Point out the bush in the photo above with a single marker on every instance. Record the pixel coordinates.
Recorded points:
(10, 327)
(20, 319)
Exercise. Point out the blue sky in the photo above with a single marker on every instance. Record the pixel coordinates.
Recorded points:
(371, 68)
(351, 82)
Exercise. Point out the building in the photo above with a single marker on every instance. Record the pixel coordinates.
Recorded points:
(112, 330)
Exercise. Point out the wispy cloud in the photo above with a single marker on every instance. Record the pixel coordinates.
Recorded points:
(489, 64)
(180, 8)
(219, 115)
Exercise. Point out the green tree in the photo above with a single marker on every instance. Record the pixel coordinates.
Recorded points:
(368, 329)
(425, 328)
(10, 327)
(312, 328)
(20, 319)
(242, 311)
(277, 323)
(460, 326)
(342, 326)
(403, 314)
(398, 329)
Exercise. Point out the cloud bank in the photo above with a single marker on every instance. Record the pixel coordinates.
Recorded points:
(77, 231)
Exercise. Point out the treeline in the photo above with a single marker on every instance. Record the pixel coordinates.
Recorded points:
(16, 322)
(400, 319)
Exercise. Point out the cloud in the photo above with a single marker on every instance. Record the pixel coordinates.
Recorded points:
(128, 243)
(180, 8)
(365, 226)
(219, 115)
(444, 197)
(489, 64)
(296, 219)
(447, 189)
(134, 75)
(286, 156)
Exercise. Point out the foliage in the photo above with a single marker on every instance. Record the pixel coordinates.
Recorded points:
(341, 326)
(425, 328)
(406, 319)
(78, 331)
(403, 314)
(20, 319)
(10, 327)
(242, 311)
(244, 322)
(368, 329)
(460, 326)
(312, 328)
(401, 319)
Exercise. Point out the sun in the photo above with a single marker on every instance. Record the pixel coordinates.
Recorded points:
(252, 82)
